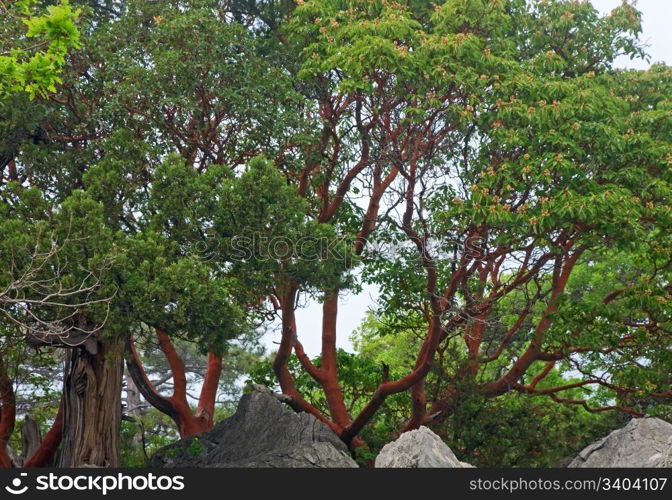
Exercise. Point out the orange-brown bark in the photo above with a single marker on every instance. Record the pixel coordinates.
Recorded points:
(176, 406)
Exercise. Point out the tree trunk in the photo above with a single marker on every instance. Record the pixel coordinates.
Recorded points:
(92, 410)
(7, 415)
(134, 408)
(31, 437)
(45, 453)
(177, 406)
(134, 404)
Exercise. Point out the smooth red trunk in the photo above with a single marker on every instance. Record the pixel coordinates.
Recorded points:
(177, 406)
(329, 382)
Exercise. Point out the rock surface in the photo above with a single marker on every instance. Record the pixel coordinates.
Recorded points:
(562, 463)
(420, 448)
(644, 442)
(262, 433)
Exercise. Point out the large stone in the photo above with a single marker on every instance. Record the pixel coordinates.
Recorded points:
(262, 433)
(419, 448)
(644, 442)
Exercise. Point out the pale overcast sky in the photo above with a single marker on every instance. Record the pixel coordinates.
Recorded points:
(657, 15)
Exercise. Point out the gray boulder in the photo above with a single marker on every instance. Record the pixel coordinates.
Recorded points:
(562, 463)
(262, 433)
(644, 442)
(419, 448)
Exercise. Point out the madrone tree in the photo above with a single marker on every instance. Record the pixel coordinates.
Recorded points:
(511, 153)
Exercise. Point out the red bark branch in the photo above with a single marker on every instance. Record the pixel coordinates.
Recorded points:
(176, 406)
(176, 365)
(206, 400)
(506, 339)
(145, 386)
(287, 344)
(587, 407)
(423, 365)
(533, 352)
(306, 363)
(49, 445)
(332, 389)
(543, 374)
(371, 215)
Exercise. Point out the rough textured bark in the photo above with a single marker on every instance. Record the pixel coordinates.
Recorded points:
(45, 453)
(31, 437)
(134, 406)
(92, 405)
(7, 415)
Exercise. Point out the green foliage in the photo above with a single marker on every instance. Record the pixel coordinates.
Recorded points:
(191, 154)
(143, 436)
(521, 431)
(195, 448)
(32, 61)
(514, 430)
(359, 375)
(35, 377)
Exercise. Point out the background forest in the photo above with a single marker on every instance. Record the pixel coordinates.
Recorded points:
(177, 178)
